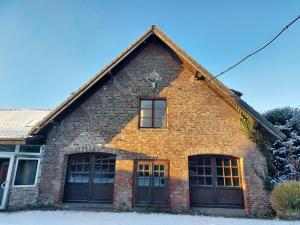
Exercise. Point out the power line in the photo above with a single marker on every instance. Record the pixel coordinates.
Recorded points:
(256, 51)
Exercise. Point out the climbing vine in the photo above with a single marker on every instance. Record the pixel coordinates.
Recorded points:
(260, 138)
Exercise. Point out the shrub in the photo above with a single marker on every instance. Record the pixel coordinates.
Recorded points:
(285, 199)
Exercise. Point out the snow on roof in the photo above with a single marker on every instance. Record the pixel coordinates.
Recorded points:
(16, 123)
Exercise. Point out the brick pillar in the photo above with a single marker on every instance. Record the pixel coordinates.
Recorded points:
(123, 184)
(179, 185)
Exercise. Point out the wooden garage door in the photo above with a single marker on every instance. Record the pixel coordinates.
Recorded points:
(151, 186)
(215, 181)
(90, 178)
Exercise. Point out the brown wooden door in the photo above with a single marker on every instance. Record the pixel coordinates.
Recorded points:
(90, 178)
(151, 186)
(215, 181)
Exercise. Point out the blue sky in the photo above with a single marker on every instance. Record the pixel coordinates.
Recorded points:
(48, 49)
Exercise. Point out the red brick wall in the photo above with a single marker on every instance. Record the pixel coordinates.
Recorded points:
(199, 122)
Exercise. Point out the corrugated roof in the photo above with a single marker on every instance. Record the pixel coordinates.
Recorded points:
(16, 123)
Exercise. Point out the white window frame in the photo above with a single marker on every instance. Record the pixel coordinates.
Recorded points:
(28, 153)
(36, 174)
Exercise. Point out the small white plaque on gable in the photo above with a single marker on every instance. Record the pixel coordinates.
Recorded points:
(152, 78)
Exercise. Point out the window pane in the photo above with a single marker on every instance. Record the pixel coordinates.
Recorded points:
(111, 168)
(227, 171)
(192, 171)
(208, 180)
(103, 180)
(201, 180)
(200, 170)
(147, 181)
(226, 162)
(147, 113)
(146, 104)
(156, 181)
(235, 172)
(199, 162)
(86, 168)
(219, 162)
(162, 167)
(234, 162)
(79, 168)
(71, 178)
(7, 148)
(228, 181)
(160, 113)
(236, 182)
(220, 171)
(111, 178)
(77, 178)
(207, 161)
(26, 172)
(30, 148)
(85, 178)
(160, 122)
(160, 104)
(192, 161)
(104, 168)
(144, 122)
(207, 171)
(97, 168)
(73, 168)
(141, 181)
(220, 181)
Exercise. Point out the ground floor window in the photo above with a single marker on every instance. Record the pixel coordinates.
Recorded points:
(26, 172)
(215, 181)
(151, 182)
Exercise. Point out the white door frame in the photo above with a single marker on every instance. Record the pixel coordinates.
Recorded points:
(10, 156)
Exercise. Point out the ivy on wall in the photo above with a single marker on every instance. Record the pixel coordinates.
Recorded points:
(259, 136)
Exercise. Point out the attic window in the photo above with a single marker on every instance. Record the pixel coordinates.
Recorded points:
(152, 113)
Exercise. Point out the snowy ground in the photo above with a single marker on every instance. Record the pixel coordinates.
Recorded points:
(110, 218)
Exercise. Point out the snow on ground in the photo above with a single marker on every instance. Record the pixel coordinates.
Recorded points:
(131, 218)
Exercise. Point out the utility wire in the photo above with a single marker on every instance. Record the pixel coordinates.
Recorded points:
(256, 51)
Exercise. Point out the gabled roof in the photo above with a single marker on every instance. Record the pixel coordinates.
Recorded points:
(228, 95)
(16, 123)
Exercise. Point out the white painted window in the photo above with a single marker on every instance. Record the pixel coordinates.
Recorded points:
(26, 172)
(30, 149)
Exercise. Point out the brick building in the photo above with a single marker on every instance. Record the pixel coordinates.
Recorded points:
(152, 129)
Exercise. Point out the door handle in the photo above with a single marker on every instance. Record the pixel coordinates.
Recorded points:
(3, 185)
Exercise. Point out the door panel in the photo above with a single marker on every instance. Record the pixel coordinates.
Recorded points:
(151, 183)
(200, 196)
(229, 196)
(90, 178)
(215, 181)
